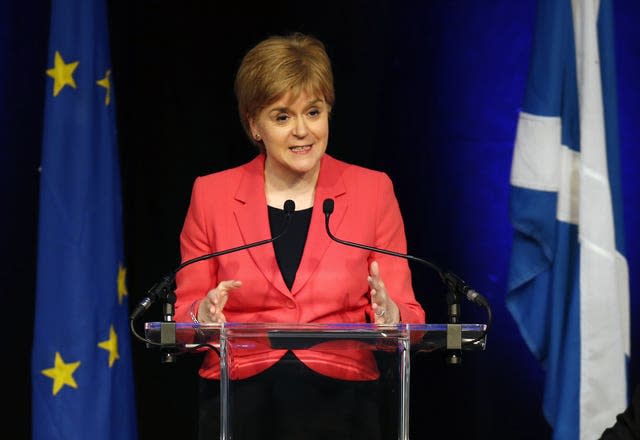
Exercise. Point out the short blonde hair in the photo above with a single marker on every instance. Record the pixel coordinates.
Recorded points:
(278, 65)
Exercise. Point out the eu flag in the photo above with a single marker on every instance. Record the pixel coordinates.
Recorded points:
(82, 377)
(568, 285)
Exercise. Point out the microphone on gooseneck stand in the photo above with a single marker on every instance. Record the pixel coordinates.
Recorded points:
(163, 288)
(456, 287)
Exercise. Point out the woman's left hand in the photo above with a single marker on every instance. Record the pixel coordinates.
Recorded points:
(384, 308)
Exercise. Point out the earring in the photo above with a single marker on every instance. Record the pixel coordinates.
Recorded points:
(256, 136)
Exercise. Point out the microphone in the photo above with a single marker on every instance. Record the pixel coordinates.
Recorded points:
(456, 286)
(163, 287)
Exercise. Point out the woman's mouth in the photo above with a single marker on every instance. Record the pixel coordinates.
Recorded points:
(300, 149)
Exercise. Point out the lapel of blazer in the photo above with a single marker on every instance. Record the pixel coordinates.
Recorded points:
(253, 221)
(330, 185)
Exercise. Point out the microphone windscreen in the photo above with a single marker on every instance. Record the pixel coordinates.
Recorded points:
(289, 206)
(327, 206)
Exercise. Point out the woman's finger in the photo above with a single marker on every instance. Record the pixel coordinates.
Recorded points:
(214, 302)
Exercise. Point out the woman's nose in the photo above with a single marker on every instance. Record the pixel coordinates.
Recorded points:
(300, 127)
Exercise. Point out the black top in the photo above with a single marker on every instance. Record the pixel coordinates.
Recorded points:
(288, 249)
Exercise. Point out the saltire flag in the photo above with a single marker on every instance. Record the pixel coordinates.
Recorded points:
(568, 281)
(82, 377)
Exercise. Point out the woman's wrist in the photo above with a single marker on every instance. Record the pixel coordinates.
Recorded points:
(193, 311)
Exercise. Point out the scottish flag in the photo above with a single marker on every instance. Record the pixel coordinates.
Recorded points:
(568, 286)
(82, 377)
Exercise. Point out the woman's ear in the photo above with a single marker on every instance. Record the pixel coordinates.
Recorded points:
(252, 126)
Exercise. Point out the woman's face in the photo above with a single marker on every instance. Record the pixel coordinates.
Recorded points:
(295, 134)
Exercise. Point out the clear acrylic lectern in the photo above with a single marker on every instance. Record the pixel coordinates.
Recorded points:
(389, 346)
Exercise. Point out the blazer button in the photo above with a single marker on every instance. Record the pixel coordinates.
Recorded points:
(291, 304)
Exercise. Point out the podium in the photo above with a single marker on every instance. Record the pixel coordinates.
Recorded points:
(389, 346)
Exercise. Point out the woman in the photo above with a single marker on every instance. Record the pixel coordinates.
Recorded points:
(285, 93)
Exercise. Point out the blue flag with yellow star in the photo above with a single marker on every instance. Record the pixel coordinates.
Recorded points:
(82, 376)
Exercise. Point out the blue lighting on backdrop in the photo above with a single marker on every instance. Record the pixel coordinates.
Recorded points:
(454, 84)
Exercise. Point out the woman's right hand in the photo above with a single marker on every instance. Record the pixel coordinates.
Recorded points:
(210, 309)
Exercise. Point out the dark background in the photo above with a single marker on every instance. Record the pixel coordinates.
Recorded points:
(428, 93)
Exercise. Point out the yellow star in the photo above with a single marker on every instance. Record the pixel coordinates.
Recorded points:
(62, 73)
(111, 345)
(122, 285)
(61, 373)
(104, 82)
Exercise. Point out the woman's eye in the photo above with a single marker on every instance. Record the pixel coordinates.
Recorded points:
(282, 117)
(314, 112)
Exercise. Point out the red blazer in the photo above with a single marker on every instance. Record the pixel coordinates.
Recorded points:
(229, 209)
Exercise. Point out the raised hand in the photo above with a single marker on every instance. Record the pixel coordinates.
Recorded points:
(212, 305)
(384, 308)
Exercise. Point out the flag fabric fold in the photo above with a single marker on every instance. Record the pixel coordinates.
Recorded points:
(82, 378)
(568, 280)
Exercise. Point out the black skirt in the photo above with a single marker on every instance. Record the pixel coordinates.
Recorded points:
(290, 401)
